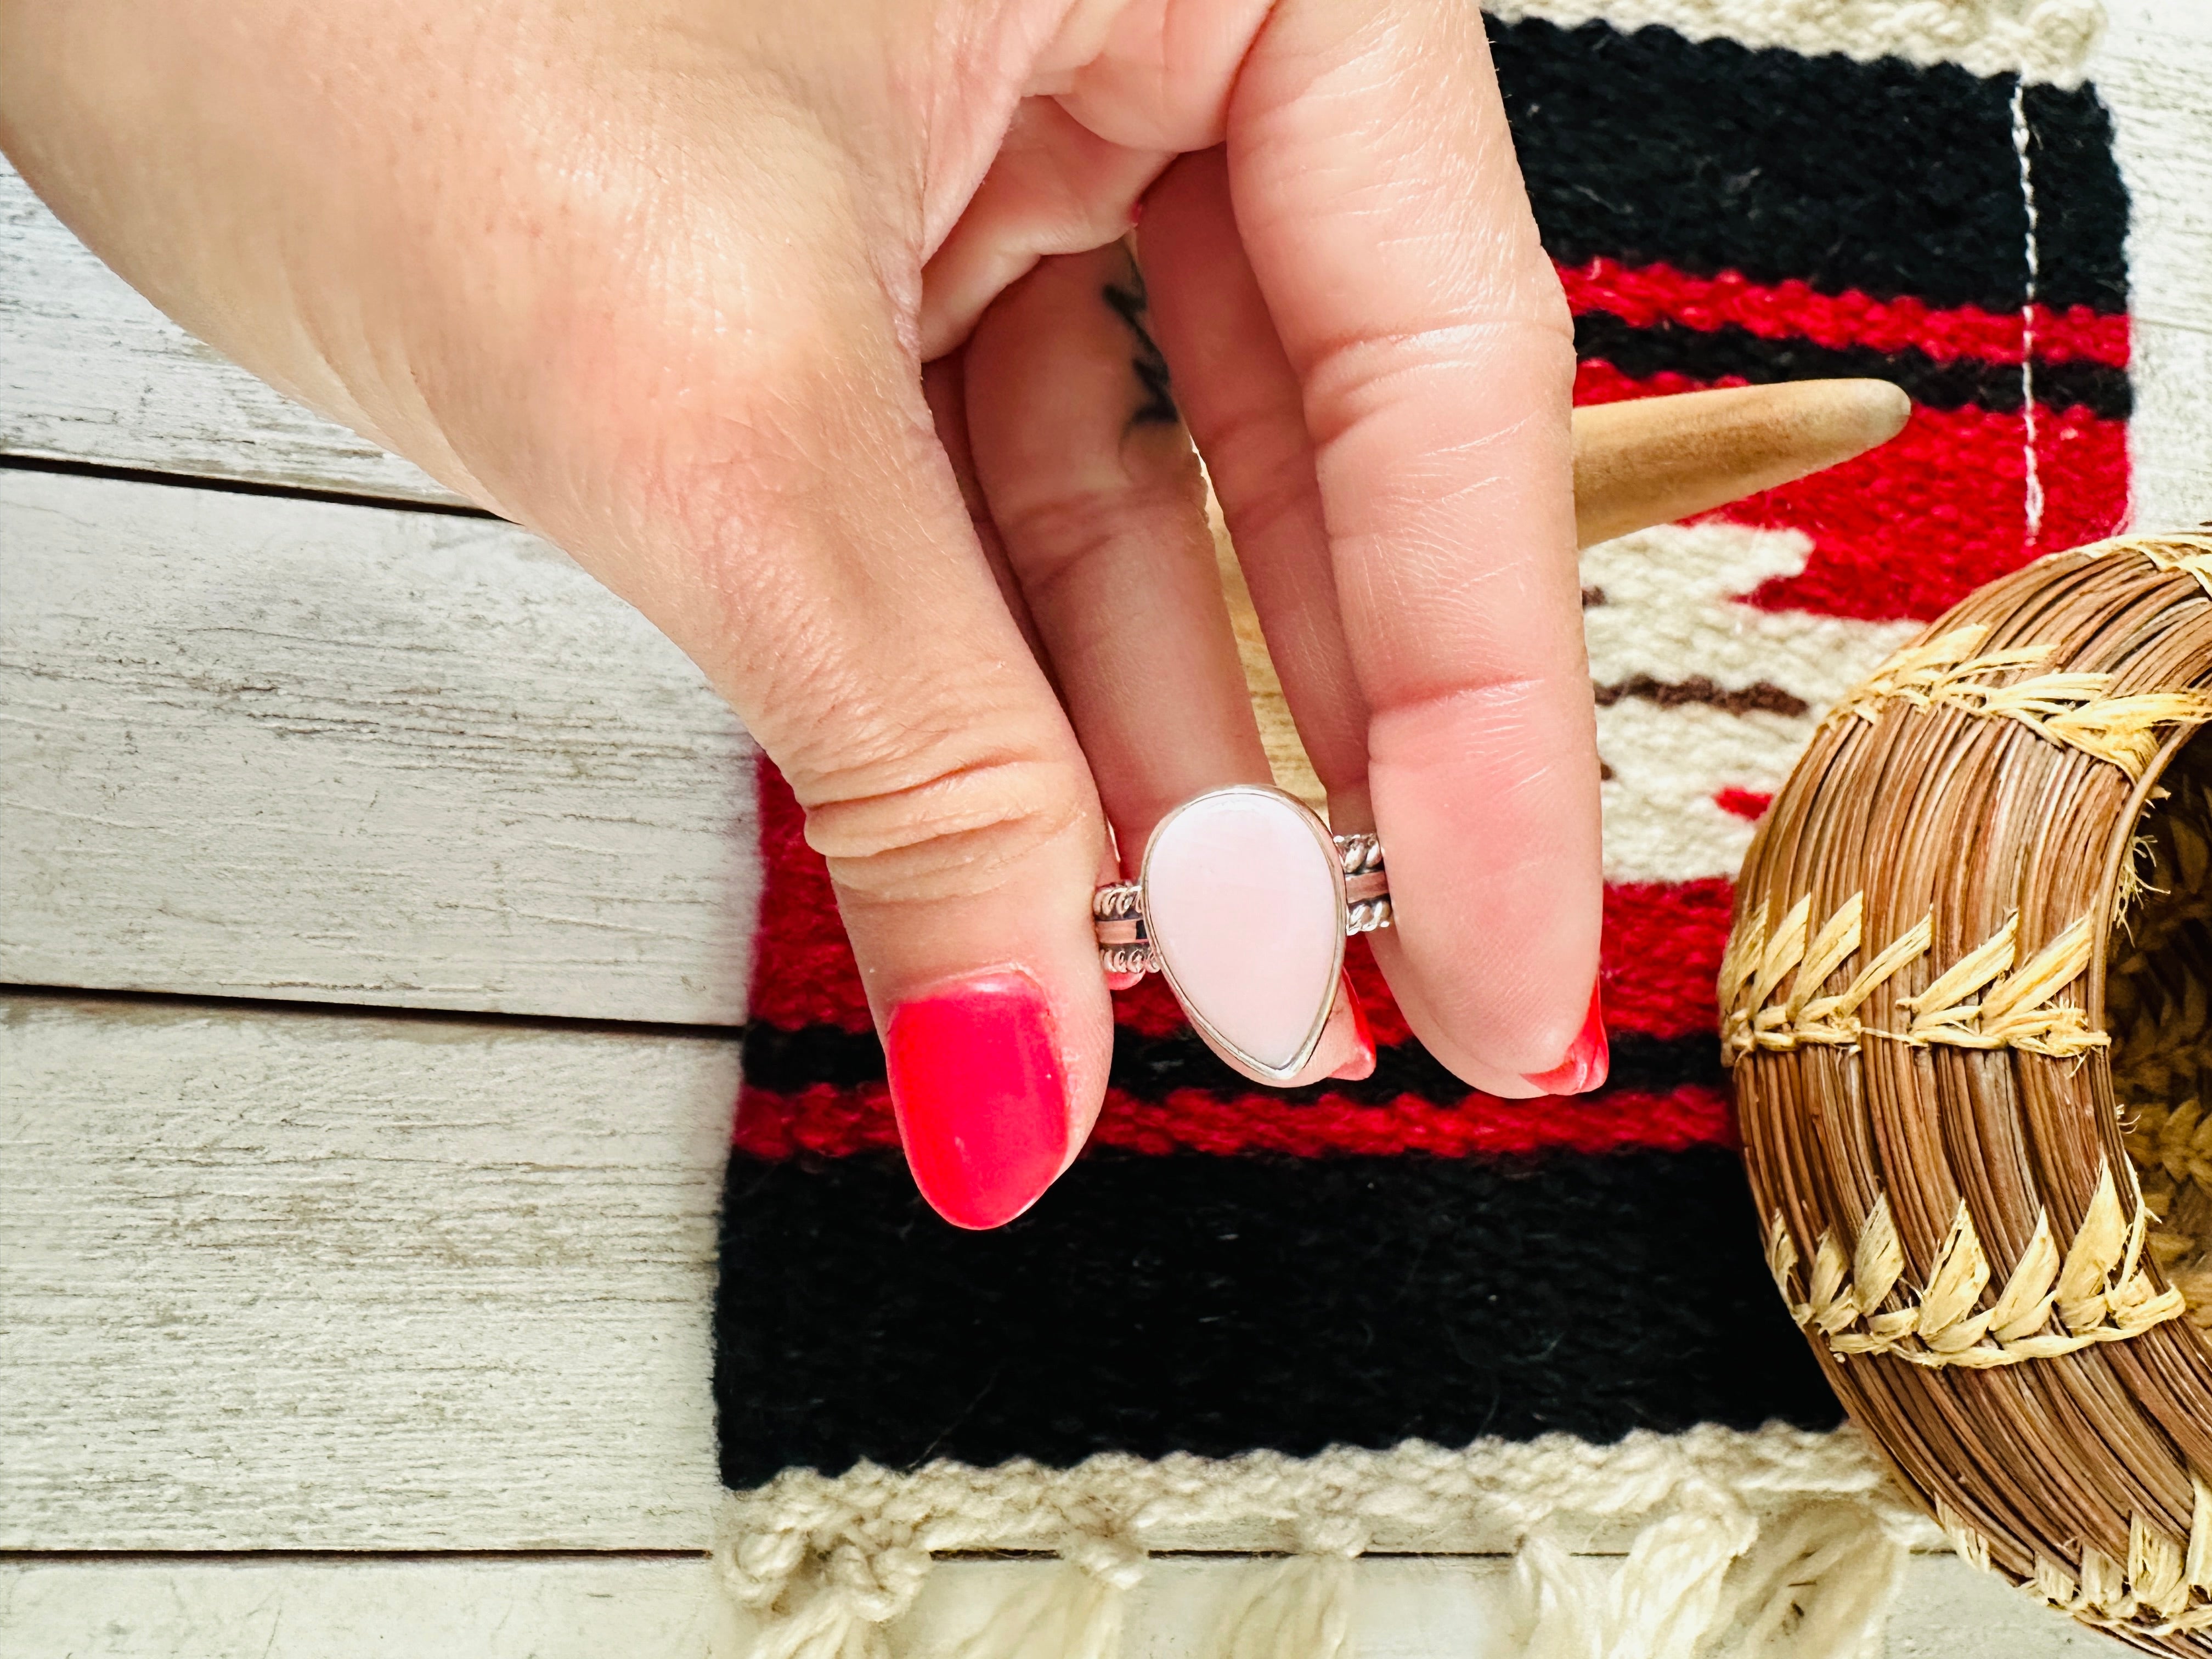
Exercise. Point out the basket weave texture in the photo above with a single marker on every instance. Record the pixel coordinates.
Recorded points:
(1964, 1005)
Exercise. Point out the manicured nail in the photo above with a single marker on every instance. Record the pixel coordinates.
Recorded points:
(1363, 1063)
(1587, 1058)
(981, 1105)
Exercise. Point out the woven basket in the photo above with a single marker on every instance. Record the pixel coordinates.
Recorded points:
(1965, 1004)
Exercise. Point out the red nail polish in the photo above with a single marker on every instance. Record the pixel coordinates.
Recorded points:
(1362, 1064)
(982, 1106)
(1588, 1059)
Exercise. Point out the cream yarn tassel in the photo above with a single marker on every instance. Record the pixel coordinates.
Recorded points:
(1708, 1580)
(1299, 1607)
(1071, 1611)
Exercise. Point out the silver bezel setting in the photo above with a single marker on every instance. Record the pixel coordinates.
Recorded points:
(1258, 1070)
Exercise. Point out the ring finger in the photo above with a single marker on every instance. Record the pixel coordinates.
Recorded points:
(1098, 500)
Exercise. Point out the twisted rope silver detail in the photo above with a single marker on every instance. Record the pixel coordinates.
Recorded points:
(1124, 947)
(1361, 854)
(1117, 902)
(1367, 915)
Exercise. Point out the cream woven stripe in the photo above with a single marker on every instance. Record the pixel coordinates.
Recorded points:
(2097, 1290)
(2014, 1009)
(2073, 709)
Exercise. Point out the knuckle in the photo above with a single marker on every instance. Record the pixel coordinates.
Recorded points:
(946, 819)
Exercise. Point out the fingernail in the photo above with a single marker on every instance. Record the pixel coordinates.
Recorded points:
(1587, 1058)
(976, 1087)
(1363, 1063)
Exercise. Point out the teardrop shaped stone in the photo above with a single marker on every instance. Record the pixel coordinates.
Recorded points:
(1240, 896)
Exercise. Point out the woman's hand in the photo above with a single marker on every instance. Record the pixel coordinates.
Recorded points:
(660, 282)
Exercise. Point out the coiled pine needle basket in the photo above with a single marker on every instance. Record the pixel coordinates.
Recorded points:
(1965, 1007)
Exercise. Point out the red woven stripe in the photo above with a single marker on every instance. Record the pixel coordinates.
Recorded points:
(1909, 529)
(1662, 950)
(1646, 294)
(832, 1122)
(1663, 946)
(803, 969)
(1916, 525)
(1661, 953)
(1194, 1121)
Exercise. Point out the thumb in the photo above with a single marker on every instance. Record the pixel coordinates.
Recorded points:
(945, 789)
(827, 575)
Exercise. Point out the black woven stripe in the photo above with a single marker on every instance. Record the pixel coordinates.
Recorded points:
(1151, 1068)
(2080, 202)
(1214, 1305)
(1886, 177)
(1715, 354)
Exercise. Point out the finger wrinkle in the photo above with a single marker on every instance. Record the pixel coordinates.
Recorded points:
(954, 834)
(1475, 699)
(1472, 227)
(1059, 538)
(1344, 372)
(848, 716)
(1463, 611)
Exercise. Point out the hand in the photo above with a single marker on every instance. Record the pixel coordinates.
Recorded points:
(660, 283)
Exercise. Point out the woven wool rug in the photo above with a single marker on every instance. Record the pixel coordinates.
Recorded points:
(1394, 1314)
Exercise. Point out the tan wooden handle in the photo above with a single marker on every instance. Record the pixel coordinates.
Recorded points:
(1652, 460)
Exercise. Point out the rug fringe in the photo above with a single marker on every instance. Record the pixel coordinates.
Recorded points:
(1768, 1543)
(1070, 1613)
(1817, 1585)
(1298, 1607)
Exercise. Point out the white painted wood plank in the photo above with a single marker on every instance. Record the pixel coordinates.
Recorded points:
(297, 1280)
(1402, 1609)
(367, 1610)
(1947, 1610)
(2154, 71)
(267, 747)
(90, 371)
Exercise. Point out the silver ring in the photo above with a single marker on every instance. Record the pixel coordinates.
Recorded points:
(1260, 866)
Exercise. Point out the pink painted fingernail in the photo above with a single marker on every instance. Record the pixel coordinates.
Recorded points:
(1589, 1057)
(1362, 1064)
(981, 1105)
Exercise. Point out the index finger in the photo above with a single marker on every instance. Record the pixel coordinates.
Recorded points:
(1378, 197)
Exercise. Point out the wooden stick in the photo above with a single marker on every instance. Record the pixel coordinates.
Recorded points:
(1652, 460)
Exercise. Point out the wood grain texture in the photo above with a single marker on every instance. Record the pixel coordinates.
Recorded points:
(90, 371)
(1440, 1608)
(291, 749)
(367, 1610)
(300, 1281)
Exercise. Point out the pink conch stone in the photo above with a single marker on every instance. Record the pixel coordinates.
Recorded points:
(1241, 898)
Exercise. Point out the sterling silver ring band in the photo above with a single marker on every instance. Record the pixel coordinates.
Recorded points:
(1118, 917)
(1243, 904)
